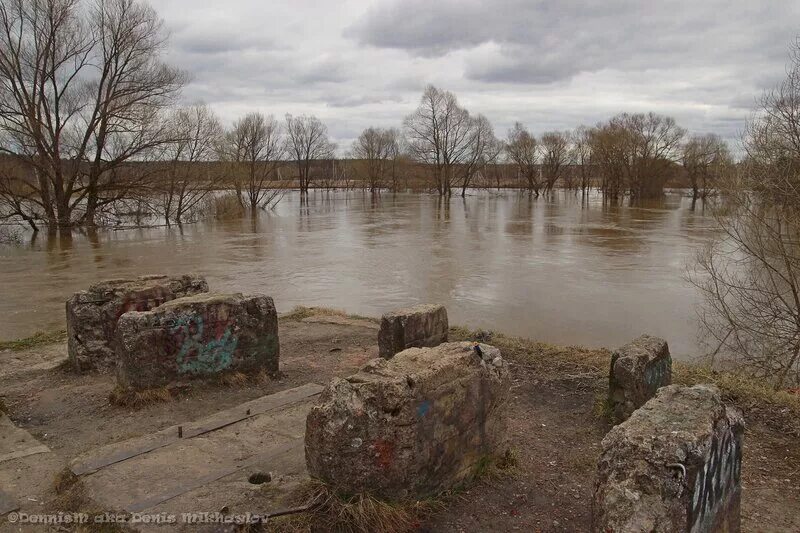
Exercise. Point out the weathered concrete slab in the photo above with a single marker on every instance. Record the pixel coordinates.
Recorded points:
(121, 451)
(92, 314)
(27, 468)
(197, 336)
(414, 327)
(16, 443)
(7, 503)
(638, 370)
(184, 475)
(411, 426)
(674, 465)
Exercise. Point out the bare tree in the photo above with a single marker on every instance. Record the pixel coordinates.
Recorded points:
(636, 154)
(439, 134)
(484, 149)
(705, 158)
(188, 179)
(307, 141)
(581, 155)
(377, 149)
(523, 150)
(254, 147)
(750, 276)
(555, 157)
(82, 90)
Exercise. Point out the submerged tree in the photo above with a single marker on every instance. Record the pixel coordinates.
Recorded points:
(523, 150)
(377, 149)
(635, 154)
(254, 147)
(581, 156)
(484, 149)
(82, 91)
(188, 179)
(705, 158)
(750, 277)
(555, 157)
(307, 141)
(442, 134)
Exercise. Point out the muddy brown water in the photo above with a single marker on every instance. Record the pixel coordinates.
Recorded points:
(557, 269)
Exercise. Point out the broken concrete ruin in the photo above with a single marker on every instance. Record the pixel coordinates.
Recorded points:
(414, 327)
(412, 426)
(92, 314)
(197, 336)
(674, 465)
(638, 370)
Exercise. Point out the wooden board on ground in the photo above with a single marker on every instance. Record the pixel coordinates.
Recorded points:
(16, 443)
(121, 451)
(220, 450)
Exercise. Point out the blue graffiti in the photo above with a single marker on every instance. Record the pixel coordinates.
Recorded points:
(197, 356)
(423, 408)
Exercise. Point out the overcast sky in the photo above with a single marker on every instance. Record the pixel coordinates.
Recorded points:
(548, 64)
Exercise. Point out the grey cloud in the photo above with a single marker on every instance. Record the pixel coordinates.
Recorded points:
(358, 100)
(219, 41)
(550, 64)
(547, 41)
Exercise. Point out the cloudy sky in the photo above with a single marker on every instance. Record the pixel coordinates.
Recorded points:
(550, 64)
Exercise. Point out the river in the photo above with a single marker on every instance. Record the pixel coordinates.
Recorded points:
(560, 270)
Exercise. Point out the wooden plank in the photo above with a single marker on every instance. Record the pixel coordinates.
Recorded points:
(122, 451)
(183, 488)
(7, 503)
(41, 448)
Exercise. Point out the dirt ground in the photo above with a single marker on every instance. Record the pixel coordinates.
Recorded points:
(555, 431)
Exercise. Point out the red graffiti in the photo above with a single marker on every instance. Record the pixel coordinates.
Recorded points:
(144, 301)
(384, 453)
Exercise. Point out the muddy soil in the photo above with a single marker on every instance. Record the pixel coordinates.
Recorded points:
(555, 432)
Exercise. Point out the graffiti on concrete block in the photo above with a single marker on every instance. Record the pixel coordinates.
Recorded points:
(144, 301)
(656, 373)
(197, 355)
(717, 482)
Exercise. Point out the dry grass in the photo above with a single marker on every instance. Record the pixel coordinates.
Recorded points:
(329, 510)
(64, 480)
(241, 379)
(491, 468)
(139, 398)
(548, 359)
(224, 206)
(72, 497)
(41, 338)
(551, 361)
(300, 312)
(361, 513)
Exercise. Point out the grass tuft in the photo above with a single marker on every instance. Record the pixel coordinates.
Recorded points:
(494, 467)
(72, 497)
(41, 338)
(602, 406)
(235, 379)
(64, 480)
(139, 398)
(360, 513)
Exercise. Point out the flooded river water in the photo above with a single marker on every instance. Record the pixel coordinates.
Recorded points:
(558, 269)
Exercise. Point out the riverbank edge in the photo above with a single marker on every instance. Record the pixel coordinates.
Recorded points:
(750, 394)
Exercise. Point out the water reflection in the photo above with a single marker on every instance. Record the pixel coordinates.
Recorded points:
(561, 268)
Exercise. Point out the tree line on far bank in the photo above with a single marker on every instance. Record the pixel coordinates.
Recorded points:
(89, 126)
